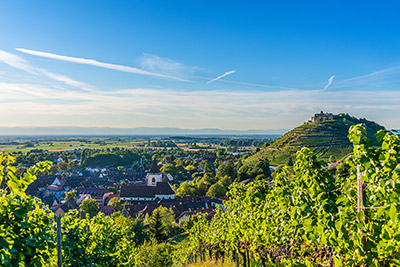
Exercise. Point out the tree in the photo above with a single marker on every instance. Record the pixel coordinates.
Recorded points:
(137, 227)
(205, 166)
(190, 168)
(202, 187)
(263, 164)
(72, 195)
(225, 181)
(62, 166)
(112, 189)
(115, 203)
(216, 190)
(290, 162)
(243, 173)
(227, 169)
(156, 226)
(20, 171)
(121, 169)
(167, 217)
(186, 189)
(88, 205)
(168, 168)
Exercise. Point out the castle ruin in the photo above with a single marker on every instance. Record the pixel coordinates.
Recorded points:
(322, 117)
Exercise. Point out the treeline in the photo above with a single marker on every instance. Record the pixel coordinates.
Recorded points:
(245, 142)
(207, 181)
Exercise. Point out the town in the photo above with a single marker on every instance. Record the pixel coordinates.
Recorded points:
(175, 179)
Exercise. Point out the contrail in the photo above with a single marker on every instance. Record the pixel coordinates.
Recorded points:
(329, 82)
(96, 63)
(223, 75)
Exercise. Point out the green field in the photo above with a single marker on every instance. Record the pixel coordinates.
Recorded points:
(55, 144)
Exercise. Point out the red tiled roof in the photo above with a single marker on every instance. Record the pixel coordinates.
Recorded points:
(62, 181)
(55, 188)
(107, 210)
(98, 192)
(162, 188)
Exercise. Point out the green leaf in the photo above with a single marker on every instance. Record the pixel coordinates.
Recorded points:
(393, 212)
(380, 135)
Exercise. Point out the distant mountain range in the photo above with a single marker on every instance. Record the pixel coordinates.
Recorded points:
(95, 131)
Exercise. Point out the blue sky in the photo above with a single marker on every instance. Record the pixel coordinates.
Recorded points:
(197, 64)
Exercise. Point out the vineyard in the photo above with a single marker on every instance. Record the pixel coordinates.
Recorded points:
(28, 231)
(309, 217)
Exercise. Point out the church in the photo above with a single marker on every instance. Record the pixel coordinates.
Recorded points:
(156, 187)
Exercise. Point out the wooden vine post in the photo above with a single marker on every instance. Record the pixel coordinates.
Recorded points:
(59, 241)
(360, 191)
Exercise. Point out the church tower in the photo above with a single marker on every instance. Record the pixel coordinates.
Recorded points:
(155, 175)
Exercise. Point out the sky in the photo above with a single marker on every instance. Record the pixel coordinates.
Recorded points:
(235, 65)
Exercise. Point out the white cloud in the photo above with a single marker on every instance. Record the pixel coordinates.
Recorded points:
(16, 62)
(166, 66)
(65, 79)
(221, 76)
(329, 82)
(96, 63)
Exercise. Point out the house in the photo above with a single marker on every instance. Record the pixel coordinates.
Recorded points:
(107, 210)
(185, 215)
(82, 197)
(143, 193)
(65, 207)
(99, 194)
(177, 205)
(108, 197)
(57, 188)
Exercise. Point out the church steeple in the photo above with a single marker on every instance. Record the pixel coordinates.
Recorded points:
(155, 175)
(154, 167)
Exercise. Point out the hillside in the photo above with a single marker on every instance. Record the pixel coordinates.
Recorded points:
(326, 137)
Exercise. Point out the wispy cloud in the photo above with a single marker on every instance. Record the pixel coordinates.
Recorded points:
(329, 82)
(166, 66)
(260, 85)
(20, 63)
(223, 75)
(384, 79)
(373, 74)
(16, 62)
(96, 63)
(65, 79)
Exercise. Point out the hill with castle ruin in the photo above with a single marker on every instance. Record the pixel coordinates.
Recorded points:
(325, 134)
